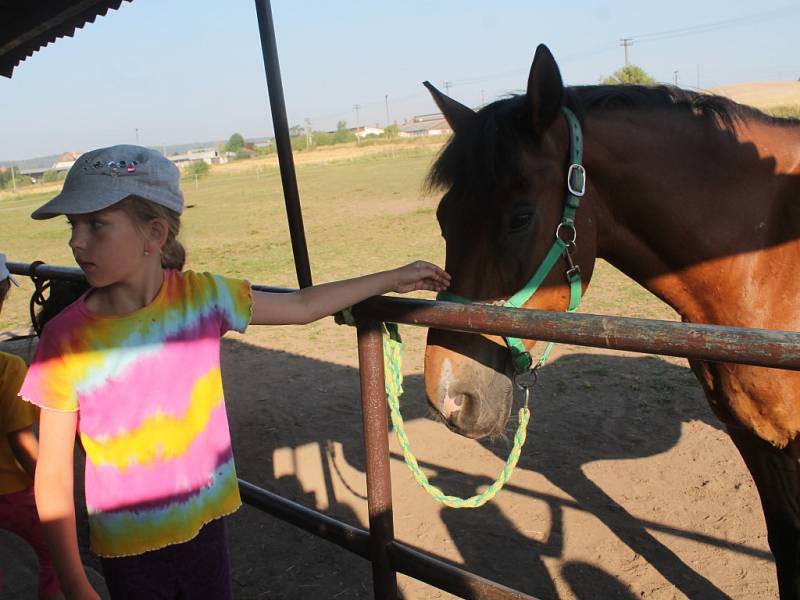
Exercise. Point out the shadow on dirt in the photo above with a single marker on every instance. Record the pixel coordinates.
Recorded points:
(645, 400)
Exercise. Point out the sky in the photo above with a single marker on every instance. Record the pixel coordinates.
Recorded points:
(162, 72)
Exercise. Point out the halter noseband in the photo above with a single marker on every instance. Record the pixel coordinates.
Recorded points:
(564, 244)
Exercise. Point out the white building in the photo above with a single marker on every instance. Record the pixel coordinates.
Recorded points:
(420, 125)
(362, 132)
(207, 155)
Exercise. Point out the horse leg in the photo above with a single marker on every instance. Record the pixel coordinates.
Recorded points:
(776, 473)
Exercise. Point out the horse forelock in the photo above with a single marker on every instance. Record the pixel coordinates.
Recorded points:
(482, 157)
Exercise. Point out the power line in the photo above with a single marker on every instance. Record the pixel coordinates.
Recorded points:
(716, 25)
(626, 42)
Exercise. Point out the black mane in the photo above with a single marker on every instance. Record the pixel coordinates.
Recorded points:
(476, 156)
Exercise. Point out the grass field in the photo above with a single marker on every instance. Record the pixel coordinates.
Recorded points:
(364, 209)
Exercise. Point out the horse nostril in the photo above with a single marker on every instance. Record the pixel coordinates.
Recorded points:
(452, 404)
(461, 412)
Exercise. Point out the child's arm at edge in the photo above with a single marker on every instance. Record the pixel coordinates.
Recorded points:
(313, 303)
(24, 447)
(55, 502)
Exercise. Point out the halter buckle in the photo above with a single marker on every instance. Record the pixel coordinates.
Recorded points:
(580, 187)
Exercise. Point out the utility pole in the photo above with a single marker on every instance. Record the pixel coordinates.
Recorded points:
(13, 181)
(675, 73)
(698, 76)
(447, 85)
(358, 122)
(308, 133)
(386, 97)
(483, 97)
(137, 136)
(626, 43)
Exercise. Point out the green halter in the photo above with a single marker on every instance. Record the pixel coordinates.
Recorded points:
(576, 186)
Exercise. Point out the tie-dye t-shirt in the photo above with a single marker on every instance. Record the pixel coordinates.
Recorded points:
(152, 418)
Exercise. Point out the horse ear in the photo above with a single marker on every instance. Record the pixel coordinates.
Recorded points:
(457, 115)
(545, 93)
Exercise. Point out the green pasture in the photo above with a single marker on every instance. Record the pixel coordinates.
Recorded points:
(362, 212)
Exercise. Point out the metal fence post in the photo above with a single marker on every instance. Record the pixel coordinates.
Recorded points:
(376, 447)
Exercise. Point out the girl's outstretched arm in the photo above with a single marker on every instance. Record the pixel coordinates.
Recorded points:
(312, 303)
(55, 502)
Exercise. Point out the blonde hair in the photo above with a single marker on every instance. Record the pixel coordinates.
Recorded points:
(141, 210)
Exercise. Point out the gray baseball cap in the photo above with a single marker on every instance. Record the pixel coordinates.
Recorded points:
(103, 177)
(4, 273)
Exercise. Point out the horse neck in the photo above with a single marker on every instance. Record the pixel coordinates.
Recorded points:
(692, 211)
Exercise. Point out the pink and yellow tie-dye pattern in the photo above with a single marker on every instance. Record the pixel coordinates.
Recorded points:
(152, 413)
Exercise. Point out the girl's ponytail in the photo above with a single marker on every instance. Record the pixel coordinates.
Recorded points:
(173, 255)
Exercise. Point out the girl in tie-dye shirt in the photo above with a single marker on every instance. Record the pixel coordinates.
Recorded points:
(133, 367)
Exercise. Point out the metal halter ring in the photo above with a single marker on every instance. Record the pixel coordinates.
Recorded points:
(574, 232)
(526, 381)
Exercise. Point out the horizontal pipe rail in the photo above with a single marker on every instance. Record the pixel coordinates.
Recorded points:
(46, 271)
(447, 577)
(761, 347)
(354, 539)
(404, 559)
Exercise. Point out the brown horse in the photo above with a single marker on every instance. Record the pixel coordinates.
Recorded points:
(695, 197)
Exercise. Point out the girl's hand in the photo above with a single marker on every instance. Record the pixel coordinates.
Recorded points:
(420, 275)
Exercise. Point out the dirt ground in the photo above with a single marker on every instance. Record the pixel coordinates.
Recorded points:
(628, 487)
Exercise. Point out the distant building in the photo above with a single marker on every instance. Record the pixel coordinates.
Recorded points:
(362, 132)
(65, 161)
(62, 163)
(421, 125)
(207, 155)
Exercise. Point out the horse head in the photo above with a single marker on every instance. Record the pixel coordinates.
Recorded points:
(505, 173)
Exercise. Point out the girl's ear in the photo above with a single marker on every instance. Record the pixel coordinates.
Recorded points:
(156, 232)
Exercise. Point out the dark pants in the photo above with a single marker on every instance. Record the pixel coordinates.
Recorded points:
(194, 570)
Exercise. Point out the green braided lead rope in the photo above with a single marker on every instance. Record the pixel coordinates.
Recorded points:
(392, 352)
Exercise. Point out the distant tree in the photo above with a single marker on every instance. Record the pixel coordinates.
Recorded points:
(343, 134)
(296, 130)
(6, 179)
(234, 143)
(50, 176)
(197, 168)
(322, 138)
(629, 75)
(299, 142)
(391, 131)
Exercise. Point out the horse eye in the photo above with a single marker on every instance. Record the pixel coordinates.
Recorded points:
(520, 221)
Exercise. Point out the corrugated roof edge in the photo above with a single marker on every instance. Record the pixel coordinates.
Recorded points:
(47, 27)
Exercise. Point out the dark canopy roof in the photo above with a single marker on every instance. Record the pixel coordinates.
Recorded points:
(27, 25)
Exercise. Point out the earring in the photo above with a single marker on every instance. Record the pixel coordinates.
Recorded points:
(146, 253)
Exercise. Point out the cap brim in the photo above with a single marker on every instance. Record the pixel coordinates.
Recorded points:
(71, 203)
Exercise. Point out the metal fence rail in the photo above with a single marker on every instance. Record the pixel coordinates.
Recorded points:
(767, 348)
